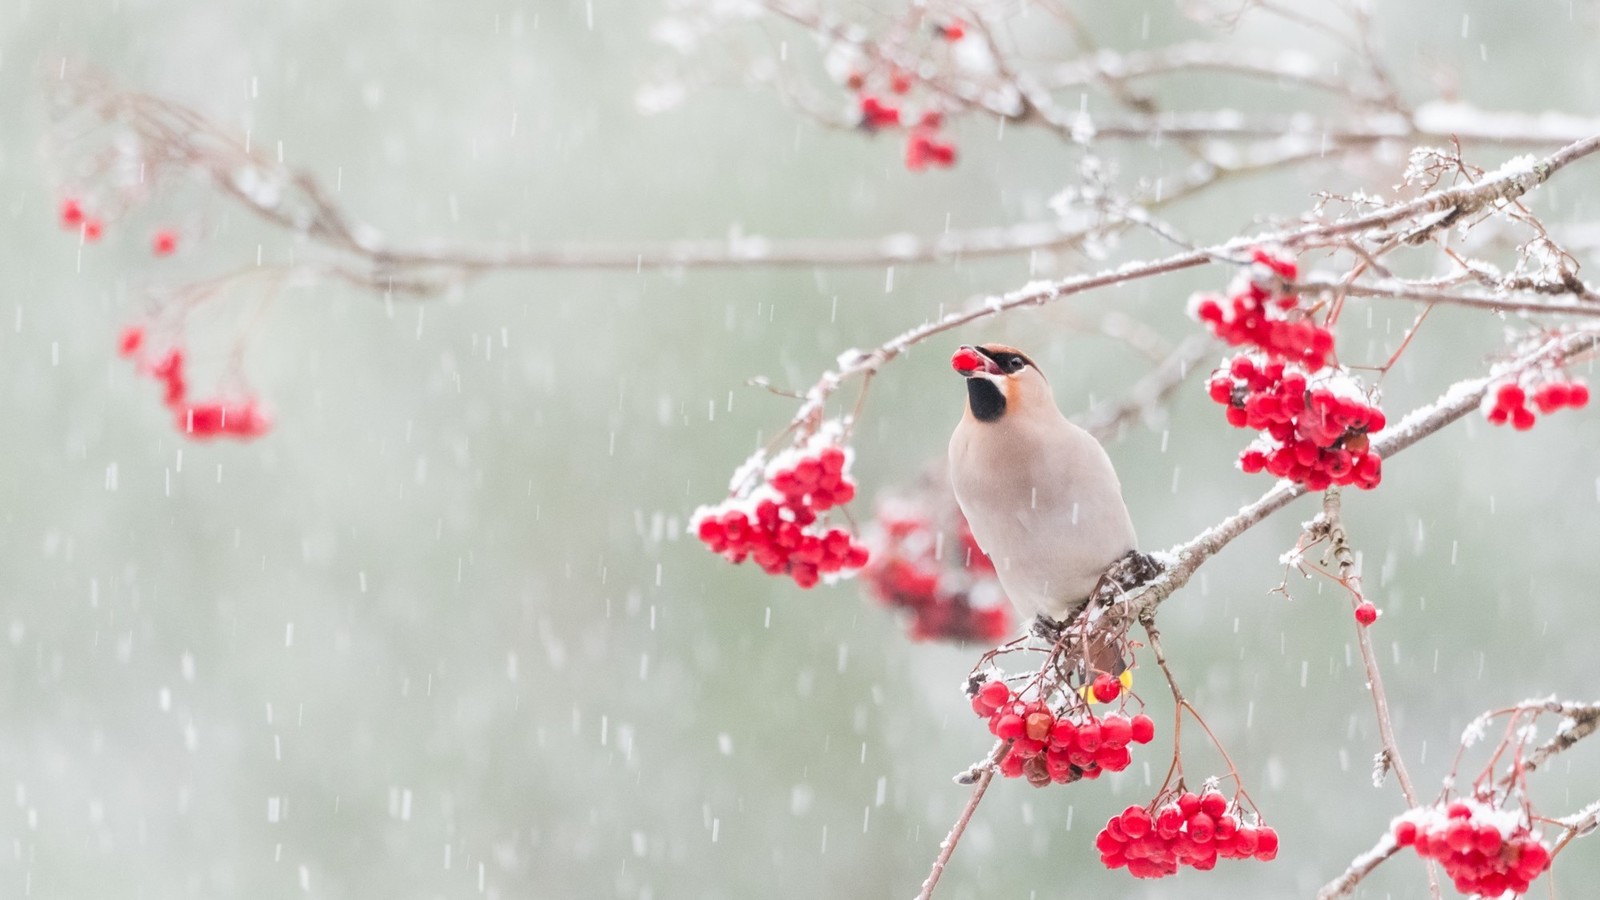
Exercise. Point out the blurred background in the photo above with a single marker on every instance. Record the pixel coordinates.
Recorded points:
(439, 634)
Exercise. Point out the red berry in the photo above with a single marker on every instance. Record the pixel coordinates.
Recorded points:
(1366, 613)
(1038, 725)
(1188, 804)
(1106, 688)
(1088, 739)
(876, 114)
(71, 213)
(1405, 832)
(164, 243)
(1010, 727)
(1143, 728)
(966, 359)
(994, 694)
(91, 229)
(1116, 731)
(1577, 395)
(130, 341)
(1266, 844)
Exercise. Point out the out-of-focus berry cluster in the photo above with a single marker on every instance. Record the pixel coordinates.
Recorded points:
(1508, 402)
(778, 526)
(881, 91)
(925, 562)
(196, 419)
(73, 217)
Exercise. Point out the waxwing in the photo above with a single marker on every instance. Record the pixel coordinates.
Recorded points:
(1039, 492)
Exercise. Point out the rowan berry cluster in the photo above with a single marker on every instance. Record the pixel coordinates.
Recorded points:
(1059, 746)
(925, 148)
(74, 218)
(1314, 417)
(198, 420)
(1259, 312)
(1188, 830)
(949, 595)
(777, 525)
(1483, 850)
(1508, 403)
(1313, 427)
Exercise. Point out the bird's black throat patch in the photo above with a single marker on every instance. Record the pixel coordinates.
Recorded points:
(988, 402)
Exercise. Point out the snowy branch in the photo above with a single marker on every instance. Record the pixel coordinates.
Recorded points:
(1360, 868)
(1461, 399)
(1508, 184)
(1580, 720)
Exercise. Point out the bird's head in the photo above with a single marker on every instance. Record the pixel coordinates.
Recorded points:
(1000, 379)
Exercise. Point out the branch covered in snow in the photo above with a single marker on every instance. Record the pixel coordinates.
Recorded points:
(1461, 399)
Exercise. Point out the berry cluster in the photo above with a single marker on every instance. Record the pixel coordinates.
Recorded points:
(1189, 830)
(1256, 312)
(1060, 747)
(924, 149)
(1508, 403)
(197, 420)
(950, 596)
(776, 525)
(1484, 850)
(876, 109)
(73, 218)
(1313, 427)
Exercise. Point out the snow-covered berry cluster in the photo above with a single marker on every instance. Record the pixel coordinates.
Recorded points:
(1058, 746)
(197, 420)
(1313, 416)
(1508, 402)
(778, 526)
(1313, 427)
(1484, 850)
(1188, 830)
(925, 561)
(1260, 313)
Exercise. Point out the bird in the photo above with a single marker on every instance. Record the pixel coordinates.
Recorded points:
(1039, 493)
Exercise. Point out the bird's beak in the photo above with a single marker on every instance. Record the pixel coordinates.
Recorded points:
(969, 361)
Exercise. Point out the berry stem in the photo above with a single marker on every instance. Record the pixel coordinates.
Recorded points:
(1183, 705)
(1350, 577)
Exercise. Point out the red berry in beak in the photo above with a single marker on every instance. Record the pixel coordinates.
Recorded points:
(966, 360)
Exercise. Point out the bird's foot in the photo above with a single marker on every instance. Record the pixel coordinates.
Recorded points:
(1047, 629)
(1132, 570)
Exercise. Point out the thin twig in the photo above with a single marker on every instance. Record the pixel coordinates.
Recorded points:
(948, 846)
(1350, 575)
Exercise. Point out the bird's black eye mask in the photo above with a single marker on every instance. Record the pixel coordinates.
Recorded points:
(1008, 362)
